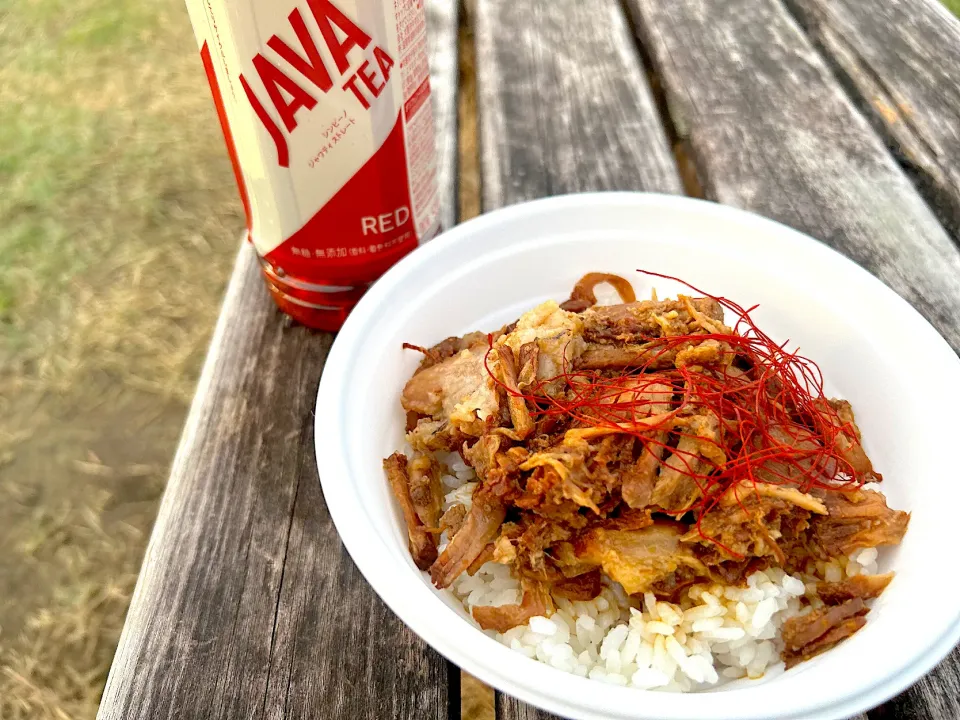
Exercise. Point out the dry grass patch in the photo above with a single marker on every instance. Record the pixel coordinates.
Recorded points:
(119, 222)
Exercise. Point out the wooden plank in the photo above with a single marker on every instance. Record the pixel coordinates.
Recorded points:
(334, 638)
(563, 107)
(901, 60)
(442, 19)
(933, 697)
(773, 132)
(563, 103)
(247, 606)
(513, 709)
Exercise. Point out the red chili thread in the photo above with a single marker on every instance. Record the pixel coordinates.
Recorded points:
(779, 392)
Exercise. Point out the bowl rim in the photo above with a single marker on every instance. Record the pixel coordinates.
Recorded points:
(367, 550)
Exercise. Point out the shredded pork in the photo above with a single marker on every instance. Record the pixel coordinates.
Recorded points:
(603, 454)
(809, 635)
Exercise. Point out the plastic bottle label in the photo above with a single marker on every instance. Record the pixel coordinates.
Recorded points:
(326, 110)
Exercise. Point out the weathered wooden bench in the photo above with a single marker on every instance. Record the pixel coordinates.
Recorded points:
(838, 117)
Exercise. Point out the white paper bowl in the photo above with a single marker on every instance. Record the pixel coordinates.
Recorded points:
(874, 349)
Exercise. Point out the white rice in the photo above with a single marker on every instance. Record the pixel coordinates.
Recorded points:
(714, 635)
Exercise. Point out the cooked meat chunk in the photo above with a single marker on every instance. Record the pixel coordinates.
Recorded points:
(519, 412)
(423, 546)
(452, 520)
(697, 454)
(430, 435)
(751, 519)
(536, 601)
(777, 492)
(537, 537)
(425, 491)
(671, 587)
(702, 353)
(805, 459)
(675, 490)
(564, 557)
(638, 558)
(857, 519)
(448, 348)
(827, 641)
(551, 335)
(639, 478)
(641, 398)
(803, 630)
(458, 391)
(848, 441)
(582, 587)
(865, 587)
(728, 572)
(565, 481)
(436, 390)
(496, 466)
(812, 634)
(560, 482)
(482, 455)
(650, 356)
(627, 401)
(480, 528)
(627, 519)
(485, 556)
(640, 322)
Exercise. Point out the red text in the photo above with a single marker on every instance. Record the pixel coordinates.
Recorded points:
(288, 92)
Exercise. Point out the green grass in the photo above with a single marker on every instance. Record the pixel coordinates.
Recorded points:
(111, 150)
(953, 6)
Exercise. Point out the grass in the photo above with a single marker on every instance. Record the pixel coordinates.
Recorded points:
(953, 6)
(110, 150)
(118, 225)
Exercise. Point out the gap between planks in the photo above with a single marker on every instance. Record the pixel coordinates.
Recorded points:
(682, 151)
(476, 699)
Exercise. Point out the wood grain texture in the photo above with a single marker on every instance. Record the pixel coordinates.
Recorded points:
(247, 605)
(772, 131)
(338, 650)
(901, 60)
(509, 708)
(563, 103)
(934, 697)
(442, 19)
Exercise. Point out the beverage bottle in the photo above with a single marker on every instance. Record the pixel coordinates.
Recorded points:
(325, 108)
